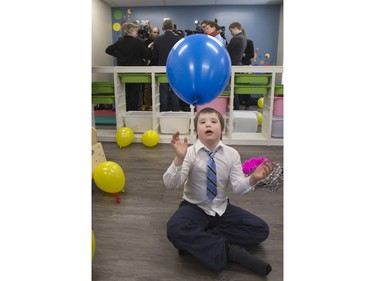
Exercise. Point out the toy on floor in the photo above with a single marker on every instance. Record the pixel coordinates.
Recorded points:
(272, 182)
(150, 138)
(103, 179)
(124, 137)
(109, 177)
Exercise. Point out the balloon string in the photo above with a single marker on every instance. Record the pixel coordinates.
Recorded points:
(117, 198)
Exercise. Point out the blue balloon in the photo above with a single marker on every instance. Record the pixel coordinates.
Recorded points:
(198, 68)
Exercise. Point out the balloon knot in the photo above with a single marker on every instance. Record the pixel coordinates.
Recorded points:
(117, 198)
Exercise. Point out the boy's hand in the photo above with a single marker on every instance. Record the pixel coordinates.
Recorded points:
(261, 172)
(180, 148)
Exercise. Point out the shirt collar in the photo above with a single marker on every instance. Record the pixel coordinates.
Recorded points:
(199, 145)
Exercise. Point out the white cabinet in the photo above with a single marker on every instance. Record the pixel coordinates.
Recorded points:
(238, 82)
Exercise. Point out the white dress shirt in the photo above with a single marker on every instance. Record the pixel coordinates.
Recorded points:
(192, 176)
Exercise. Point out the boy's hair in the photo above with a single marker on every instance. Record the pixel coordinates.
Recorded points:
(209, 110)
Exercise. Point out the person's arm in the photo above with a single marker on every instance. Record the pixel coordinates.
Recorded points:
(154, 53)
(174, 177)
(261, 172)
(112, 49)
(145, 51)
(180, 148)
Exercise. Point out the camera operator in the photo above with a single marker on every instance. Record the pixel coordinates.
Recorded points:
(130, 51)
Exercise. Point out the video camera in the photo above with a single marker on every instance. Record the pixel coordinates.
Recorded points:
(144, 29)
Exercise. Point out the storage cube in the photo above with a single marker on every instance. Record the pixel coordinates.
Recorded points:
(278, 106)
(277, 127)
(161, 77)
(245, 121)
(258, 79)
(245, 89)
(220, 104)
(279, 90)
(102, 88)
(102, 99)
(135, 77)
(171, 122)
(138, 121)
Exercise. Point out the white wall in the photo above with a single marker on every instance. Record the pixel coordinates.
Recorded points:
(101, 37)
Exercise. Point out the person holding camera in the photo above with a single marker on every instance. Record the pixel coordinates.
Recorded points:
(130, 51)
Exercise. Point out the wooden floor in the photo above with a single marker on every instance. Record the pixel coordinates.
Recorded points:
(131, 242)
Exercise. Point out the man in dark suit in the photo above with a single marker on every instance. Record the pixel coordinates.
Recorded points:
(160, 51)
(236, 48)
(130, 51)
(246, 60)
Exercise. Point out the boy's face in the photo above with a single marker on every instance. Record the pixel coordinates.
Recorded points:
(209, 128)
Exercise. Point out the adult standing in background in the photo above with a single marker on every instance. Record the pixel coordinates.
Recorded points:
(147, 94)
(213, 29)
(160, 50)
(236, 49)
(204, 25)
(130, 51)
(246, 60)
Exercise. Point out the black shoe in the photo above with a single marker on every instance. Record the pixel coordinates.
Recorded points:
(239, 255)
(183, 253)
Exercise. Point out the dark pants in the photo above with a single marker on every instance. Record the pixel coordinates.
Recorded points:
(191, 230)
(132, 91)
(236, 102)
(168, 99)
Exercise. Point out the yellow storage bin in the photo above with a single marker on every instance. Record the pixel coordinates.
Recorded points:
(256, 79)
(135, 77)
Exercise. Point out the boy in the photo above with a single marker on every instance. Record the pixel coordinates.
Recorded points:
(206, 225)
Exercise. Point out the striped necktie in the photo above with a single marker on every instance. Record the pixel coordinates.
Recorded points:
(211, 175)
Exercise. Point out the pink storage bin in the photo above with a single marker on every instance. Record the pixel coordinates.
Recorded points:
(278, 106)
(220, 104)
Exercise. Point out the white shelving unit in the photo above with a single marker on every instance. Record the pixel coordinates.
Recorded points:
(229, 137)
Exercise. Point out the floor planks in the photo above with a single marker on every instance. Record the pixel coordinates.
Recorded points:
(131, 242)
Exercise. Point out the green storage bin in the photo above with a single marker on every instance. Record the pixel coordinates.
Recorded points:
(257, 79)
(135, 77)
(254, 90)
(96, 99)
(225, 94)
(161, 78)
(279, 89)
(102, 88)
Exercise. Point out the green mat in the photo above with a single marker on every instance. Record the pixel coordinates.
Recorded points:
(105, 120)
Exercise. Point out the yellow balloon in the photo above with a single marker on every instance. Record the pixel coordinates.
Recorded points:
(109, 177)
(93, 244)
(260, 102)
(150, 138)
(124, 137)
(260, 118)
